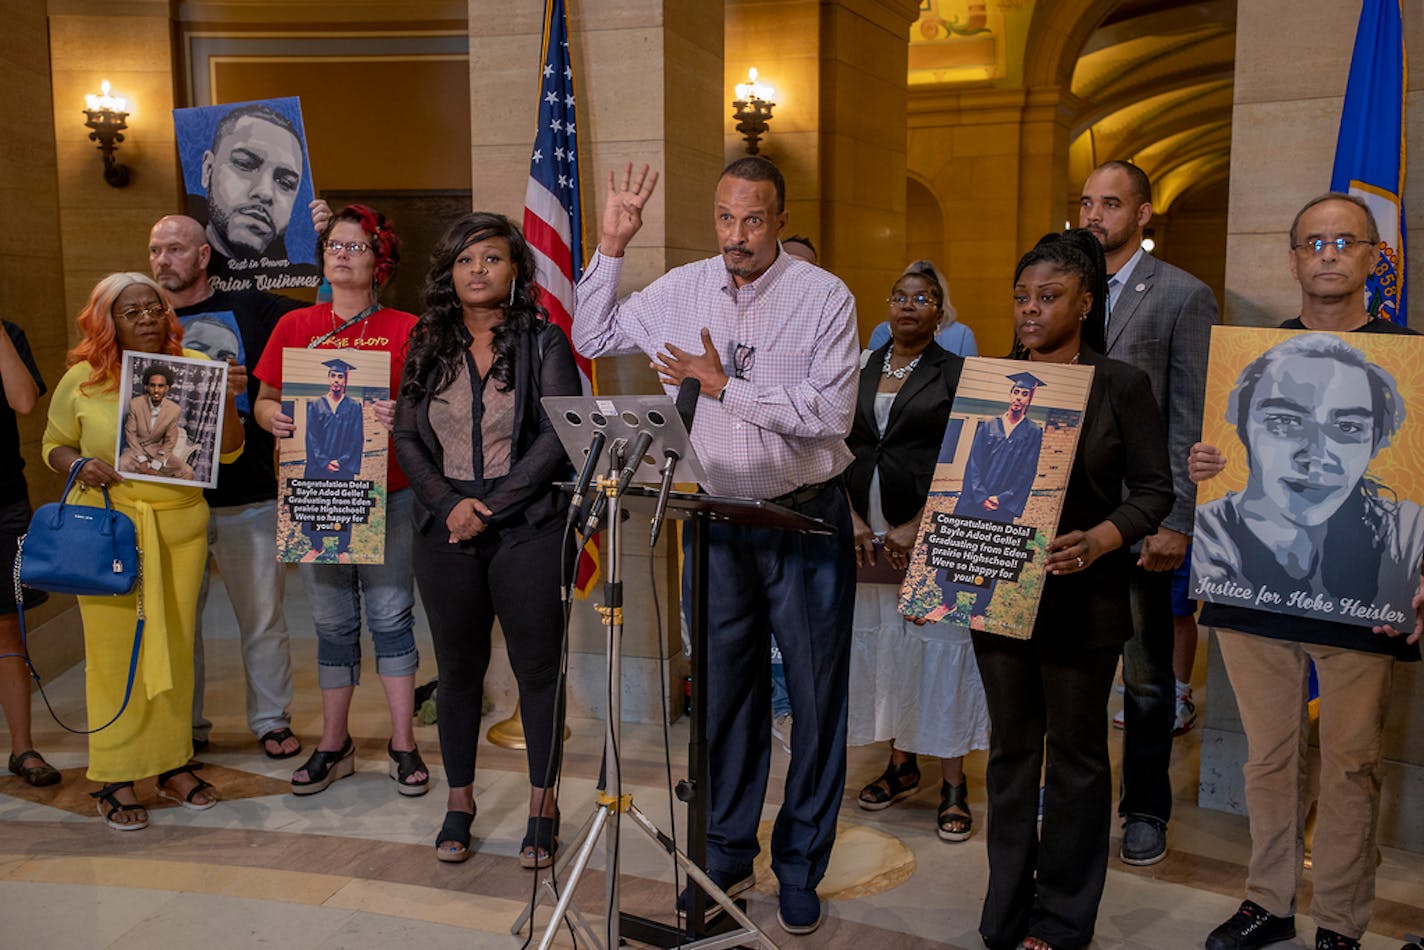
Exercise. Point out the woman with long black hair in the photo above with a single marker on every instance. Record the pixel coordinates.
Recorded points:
(483, 457)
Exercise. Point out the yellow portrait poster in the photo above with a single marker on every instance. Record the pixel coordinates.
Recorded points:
(1317, 512)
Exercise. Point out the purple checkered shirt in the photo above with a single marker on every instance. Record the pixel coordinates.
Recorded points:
(783, 425)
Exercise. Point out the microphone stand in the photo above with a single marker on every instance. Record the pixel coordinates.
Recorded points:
(611, 803)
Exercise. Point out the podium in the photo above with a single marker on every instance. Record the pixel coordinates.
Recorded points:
(698, 511)
(572, 418)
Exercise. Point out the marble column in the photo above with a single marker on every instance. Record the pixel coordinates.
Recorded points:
(648, 84)
(105, 229)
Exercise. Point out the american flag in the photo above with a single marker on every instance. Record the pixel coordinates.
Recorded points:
(553, 216)
(553, 220)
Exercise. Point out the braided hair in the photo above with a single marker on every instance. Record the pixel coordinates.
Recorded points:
(1075, 251)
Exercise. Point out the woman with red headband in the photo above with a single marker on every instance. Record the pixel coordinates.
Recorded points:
(359, 255)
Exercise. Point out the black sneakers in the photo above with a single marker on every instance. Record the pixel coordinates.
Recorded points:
(1144, 841)
(1250, 927)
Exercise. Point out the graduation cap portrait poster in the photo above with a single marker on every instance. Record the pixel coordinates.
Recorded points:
(331, 473)
(996, 495)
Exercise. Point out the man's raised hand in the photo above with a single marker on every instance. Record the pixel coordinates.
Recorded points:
(623, 208)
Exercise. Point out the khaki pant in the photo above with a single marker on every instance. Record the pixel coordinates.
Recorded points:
(1271, 682)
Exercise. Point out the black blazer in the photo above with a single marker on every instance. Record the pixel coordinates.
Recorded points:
(1121, 474)
(907, 453)
(544, 366)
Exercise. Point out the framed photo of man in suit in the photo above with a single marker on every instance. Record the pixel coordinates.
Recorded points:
(1318, 511)
(331, 474)
(997, 492)
(170, 418)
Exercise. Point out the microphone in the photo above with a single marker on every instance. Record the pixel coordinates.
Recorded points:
(632, 460)
(687, 393)
(590, 463)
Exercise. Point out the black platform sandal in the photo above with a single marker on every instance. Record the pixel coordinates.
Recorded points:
(105, 796)
(403, 766)
(455, 830)
(952, 826)
(185, 800)
(540, 844)
(323, 768)
(896, 782)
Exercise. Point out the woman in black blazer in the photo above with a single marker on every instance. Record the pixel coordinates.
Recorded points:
(1050, 692)
(482, 458)
(915, 685)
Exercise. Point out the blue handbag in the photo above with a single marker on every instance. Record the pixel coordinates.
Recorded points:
(79, 549)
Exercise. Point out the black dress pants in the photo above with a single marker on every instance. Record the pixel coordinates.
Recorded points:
(803, 587)
(463, 592)
(1150, 699)
(1046, 884)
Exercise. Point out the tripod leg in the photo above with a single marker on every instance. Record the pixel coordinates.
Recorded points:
(699, 876)
(585, 852)
(565, 857)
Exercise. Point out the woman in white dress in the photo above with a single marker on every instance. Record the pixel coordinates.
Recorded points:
(916, 685)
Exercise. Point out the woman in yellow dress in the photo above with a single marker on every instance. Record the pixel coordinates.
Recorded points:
(154, 735)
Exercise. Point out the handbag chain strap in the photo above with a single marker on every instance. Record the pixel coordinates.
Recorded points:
(74, 468)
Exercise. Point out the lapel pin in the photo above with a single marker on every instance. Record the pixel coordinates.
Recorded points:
(1140, 288)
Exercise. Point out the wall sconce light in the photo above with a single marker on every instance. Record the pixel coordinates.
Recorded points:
(105, 115)
(1149, 240)
(752, 109)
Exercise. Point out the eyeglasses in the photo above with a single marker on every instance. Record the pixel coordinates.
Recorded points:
(1317, 246)
(743, 359)
(351, 247)
(919, 300)
(154, 311)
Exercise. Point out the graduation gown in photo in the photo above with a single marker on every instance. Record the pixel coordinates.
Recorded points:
(334, 435)
(1002, 465)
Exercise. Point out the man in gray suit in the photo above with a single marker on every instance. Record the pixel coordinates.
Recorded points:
(1159, 319)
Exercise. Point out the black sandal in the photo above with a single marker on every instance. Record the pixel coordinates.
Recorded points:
(403, 766)
(896, 782)
(323, 768)
(161, 785)
(455, 830)
(952, 826)
(540, 844)
(37, 775)
(105, 796)
(279, 736)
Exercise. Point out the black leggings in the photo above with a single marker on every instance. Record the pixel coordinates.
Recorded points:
(518, 582)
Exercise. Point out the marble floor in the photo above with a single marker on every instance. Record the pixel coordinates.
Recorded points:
(353, 866)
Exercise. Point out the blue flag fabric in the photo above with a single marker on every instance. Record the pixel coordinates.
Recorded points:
(1369, 153)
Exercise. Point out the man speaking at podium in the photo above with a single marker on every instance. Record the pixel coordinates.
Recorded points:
(773, 342)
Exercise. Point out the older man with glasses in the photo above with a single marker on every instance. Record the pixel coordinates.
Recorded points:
(1268, 656)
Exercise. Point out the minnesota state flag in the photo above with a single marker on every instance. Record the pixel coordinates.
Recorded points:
(1369, 153)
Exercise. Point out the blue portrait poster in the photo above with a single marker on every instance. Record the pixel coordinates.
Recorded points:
(216, 335)
(248, 179)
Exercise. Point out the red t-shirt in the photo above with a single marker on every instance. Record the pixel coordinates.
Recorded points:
(386, 329)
